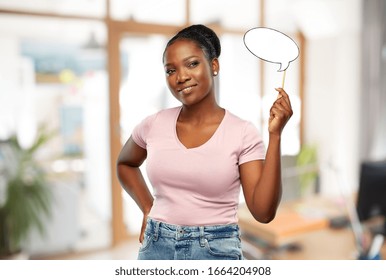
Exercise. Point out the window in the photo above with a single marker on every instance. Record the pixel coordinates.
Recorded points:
(150, 11)
(91, 8)
(53, 74)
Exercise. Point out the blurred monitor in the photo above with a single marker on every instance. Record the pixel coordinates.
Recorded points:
(372, 193)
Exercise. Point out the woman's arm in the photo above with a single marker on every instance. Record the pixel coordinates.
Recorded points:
(129, 160)
(261, 180)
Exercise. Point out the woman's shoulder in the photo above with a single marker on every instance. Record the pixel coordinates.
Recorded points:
(241, 126)
(236, 120)
(162, 114)
(152, 122)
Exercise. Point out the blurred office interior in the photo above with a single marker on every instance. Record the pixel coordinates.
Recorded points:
(91, 69)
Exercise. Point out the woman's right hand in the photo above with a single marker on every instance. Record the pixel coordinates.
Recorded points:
(142, 234)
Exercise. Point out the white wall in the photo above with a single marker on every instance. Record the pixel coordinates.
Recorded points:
(332, 89)
(333, 94)
(332, 106)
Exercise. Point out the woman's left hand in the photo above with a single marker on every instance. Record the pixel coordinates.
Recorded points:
(280, 113)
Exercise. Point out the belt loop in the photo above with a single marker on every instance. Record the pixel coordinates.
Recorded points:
(156, 230)
(202, 237)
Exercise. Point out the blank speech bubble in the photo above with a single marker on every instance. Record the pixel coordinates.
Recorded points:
(272, 46)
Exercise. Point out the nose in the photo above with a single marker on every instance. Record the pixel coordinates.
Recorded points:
(182, 76)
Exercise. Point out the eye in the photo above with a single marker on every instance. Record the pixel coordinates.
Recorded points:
(193, 64)
(169, 72)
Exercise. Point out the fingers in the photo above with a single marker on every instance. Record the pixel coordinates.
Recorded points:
(142, 234)
(284, 95)
(283, 102)
(280, 112)
(277, 121)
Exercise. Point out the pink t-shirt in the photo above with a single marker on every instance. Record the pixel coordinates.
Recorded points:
(201, 185)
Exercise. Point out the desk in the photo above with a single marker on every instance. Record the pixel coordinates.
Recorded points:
(300, 231)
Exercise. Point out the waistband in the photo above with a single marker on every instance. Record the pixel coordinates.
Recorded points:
(157, 228)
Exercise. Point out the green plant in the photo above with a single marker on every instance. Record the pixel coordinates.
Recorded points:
(306, 162)
(27, 197)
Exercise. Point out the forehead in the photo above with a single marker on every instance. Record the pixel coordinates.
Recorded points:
(182, 49)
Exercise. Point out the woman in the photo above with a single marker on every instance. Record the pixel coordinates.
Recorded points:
(198, 155)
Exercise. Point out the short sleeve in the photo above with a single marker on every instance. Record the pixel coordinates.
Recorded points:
(252, 147)
(141, 131)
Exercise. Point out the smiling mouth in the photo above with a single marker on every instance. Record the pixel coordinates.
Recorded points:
(186, 90)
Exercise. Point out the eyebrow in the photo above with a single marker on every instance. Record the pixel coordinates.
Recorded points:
(185, 59)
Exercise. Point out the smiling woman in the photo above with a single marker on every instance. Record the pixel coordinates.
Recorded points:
(198, 155)
(187, 70)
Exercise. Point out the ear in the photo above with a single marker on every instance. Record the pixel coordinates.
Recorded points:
(215, 66)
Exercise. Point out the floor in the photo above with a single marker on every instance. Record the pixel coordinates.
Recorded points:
(126, 251)
(92, 241)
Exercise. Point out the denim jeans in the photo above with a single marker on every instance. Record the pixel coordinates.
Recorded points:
(164, 241)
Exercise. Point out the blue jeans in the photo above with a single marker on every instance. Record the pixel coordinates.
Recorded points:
(171, 242)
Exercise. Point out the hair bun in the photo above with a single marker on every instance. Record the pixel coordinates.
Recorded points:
(209, 35)
(205, 37)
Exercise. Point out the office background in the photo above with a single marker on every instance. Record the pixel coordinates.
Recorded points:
(90, 70)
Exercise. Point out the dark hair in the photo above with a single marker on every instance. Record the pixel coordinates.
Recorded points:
(203, 36)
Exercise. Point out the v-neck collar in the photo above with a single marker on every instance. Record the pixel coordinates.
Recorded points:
(203, 144)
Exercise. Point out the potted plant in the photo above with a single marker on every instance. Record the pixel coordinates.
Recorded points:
(25, 197)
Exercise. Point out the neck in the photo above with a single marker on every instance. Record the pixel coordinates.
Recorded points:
(200, 112)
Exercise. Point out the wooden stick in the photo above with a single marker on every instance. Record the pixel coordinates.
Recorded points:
(282, 82)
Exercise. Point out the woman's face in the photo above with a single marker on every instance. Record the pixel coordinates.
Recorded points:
(189, 75)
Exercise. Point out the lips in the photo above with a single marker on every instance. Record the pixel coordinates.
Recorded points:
(186, 90)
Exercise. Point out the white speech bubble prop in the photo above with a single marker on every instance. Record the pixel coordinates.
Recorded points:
(272, 46)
